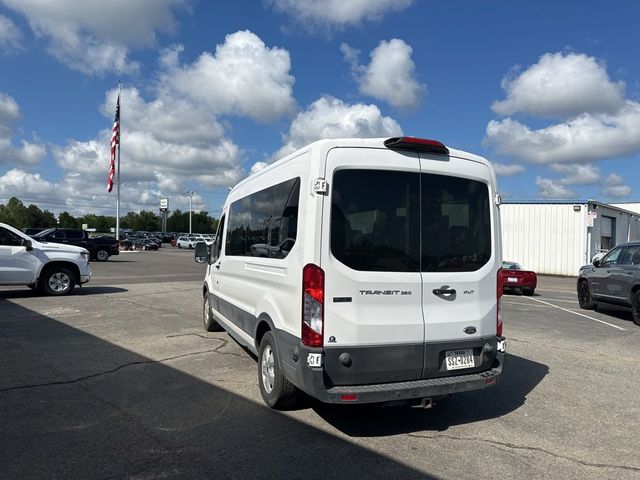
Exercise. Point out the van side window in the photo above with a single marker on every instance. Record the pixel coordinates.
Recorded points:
(264, 224)
(217, 245)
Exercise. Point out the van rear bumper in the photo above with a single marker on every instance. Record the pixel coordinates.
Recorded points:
(312, 381)
(432, 387)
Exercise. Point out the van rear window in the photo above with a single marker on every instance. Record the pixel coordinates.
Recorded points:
(385, 220)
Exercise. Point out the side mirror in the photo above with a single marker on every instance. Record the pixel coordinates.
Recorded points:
(201, 252)
(596, 262)
(28, 244)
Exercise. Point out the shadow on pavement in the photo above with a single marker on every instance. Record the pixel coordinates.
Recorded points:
(75, 406)
(28, 293)
(614, 311)
(520, 376)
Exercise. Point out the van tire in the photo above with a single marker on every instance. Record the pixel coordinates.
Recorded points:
(277, 392)
(57, 281)
(210, 324)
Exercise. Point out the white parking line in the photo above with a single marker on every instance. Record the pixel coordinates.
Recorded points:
(525, 304)
(576, 313)
(554, 290)
(574, 301)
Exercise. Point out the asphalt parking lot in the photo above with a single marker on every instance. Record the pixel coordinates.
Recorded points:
(119, 380)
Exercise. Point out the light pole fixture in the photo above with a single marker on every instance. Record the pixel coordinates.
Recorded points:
(191, 194)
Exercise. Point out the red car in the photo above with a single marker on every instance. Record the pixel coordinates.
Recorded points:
(515, 279)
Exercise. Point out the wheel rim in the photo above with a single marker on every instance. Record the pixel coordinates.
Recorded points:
(206, 311)
(267, 369)
(102, 255)
(59, 282)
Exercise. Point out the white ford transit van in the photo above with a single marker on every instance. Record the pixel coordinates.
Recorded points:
(362, 270)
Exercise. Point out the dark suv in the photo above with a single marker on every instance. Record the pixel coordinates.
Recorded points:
(615, 279)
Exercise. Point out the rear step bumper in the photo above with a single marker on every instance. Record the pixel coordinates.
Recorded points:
(311, 380)
(433, 387)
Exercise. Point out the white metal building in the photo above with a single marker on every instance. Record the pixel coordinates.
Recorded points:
(557, 238)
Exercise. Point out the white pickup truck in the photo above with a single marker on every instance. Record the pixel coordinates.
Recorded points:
(53, 268)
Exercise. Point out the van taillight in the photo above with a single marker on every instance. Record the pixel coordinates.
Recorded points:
(312, 306)
(499, 290)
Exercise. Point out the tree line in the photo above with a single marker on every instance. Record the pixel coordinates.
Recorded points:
(16, 214)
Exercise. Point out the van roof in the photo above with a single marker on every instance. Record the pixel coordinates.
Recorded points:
(355, 142)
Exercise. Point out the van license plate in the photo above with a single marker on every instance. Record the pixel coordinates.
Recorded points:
(457, 359)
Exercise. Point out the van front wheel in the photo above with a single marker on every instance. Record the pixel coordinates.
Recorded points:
(277, 392)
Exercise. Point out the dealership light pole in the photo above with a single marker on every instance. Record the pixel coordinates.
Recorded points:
(191, 194)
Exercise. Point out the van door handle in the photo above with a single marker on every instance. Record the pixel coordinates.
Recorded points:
(444, 291)
(217, 266)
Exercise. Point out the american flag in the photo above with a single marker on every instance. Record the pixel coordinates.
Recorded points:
(115, 141)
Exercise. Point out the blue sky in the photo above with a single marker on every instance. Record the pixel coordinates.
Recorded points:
(549, 91)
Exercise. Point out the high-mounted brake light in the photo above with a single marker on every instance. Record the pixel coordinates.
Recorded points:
(416, 145)
(499, 291)
(312, 306)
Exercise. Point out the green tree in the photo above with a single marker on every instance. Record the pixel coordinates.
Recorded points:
(144, 220)
(14, 213)
(66, 220)
(17, 215)
(178, 221)
(101, 223)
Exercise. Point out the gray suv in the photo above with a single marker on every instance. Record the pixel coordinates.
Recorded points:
(615, 279)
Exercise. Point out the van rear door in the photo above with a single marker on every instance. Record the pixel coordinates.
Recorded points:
(458, 264)
(373, 322)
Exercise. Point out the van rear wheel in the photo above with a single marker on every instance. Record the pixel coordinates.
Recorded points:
(277, 392)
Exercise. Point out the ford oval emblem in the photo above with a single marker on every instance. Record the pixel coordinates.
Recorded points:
(470, 330)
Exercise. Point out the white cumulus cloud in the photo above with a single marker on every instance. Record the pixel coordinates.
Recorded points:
(339, 13)
(27, 153)
(562, 86)
(243, 77)
(390, 76)
(586, 138)
(329, 117)
(162, 138)
(507, 170)
(547, 188)
(614, 186)
(94, 36)
(10, 35)
(578, 174)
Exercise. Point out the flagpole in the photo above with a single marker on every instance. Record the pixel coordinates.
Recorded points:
(118, 181)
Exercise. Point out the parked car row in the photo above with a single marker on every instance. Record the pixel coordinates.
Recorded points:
(190, 241)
